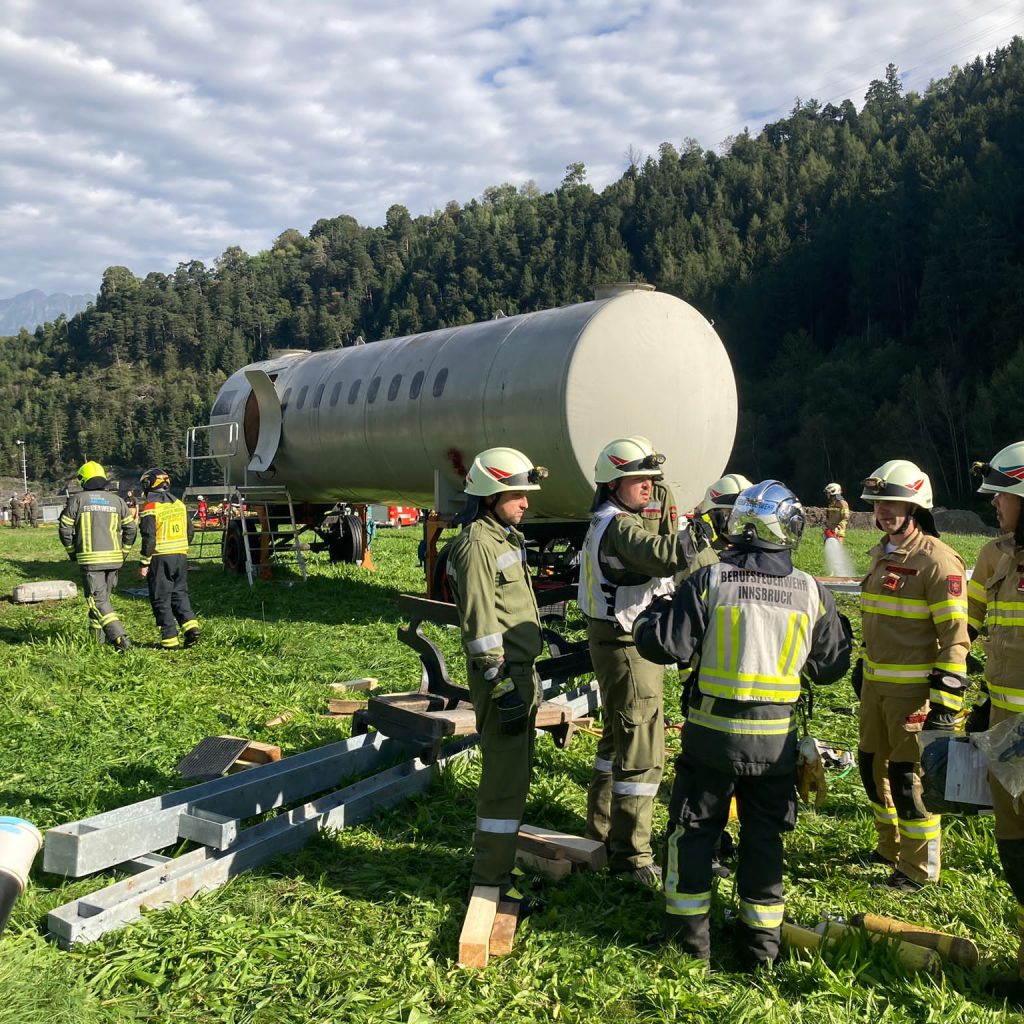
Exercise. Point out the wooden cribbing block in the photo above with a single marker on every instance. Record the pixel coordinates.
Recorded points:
(589, 852)
(553, 867)
(910, 957)
(503, 931)
(475, 938)
(254, 754)
(356, 685)
(339, 706)
(954, 948)
(285, 716)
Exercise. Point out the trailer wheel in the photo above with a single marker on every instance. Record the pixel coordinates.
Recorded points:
(232, 550)
(440, 590)
(350, 545)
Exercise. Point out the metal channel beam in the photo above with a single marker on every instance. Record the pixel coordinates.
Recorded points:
(94, 844)
(202, 870)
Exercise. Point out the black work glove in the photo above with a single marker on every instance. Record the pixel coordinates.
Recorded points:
(939, 719)
(943, 683)
(857, 677)
(979, 720)
(513, 711)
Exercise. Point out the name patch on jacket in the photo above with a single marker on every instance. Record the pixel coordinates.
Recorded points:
(760, 586)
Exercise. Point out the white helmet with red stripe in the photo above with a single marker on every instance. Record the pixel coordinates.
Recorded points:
(722, 493)
(628, 456)
(899, 480)
(1005, 473)
(502, 469)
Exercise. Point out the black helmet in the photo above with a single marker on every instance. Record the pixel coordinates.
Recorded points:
(155, 479)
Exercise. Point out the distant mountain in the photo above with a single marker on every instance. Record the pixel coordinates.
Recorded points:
(29, 309)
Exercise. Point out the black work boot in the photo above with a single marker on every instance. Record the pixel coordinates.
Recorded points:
(191, 637)
(122, 644)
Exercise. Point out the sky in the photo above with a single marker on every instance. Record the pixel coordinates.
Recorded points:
(147, 134)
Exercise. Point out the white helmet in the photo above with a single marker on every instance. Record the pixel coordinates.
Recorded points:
(502, 469)
(200, 498)
(722, 493)
(833, 490)
(1005, 473)
(767, 515)
(899, 480)
(628, 456)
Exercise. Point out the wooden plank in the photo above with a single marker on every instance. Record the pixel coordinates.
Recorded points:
(503, 931)
(260, 753)
(549, 713)
(590, 852)
(475, 938)
(553, 867)
(285, 716)
(356, 685)
(338, 706)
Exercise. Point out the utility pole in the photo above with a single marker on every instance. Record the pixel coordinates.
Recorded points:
(24, 467)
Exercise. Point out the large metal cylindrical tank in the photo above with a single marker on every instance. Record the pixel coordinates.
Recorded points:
(373, 422)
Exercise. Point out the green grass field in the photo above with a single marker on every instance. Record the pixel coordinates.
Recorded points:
(363, 925)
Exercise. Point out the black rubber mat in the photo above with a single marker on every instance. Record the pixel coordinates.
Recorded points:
(211, 757)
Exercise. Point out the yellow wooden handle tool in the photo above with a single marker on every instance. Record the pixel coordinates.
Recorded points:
(910, 956)
(954, 948)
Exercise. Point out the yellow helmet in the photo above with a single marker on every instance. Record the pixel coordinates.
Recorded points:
(899, 480)
(628, 456)
(91, 471)
(1005, 473)
(502, 469)
(722, 493)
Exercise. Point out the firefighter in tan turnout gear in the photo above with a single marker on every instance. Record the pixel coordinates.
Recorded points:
(996, 599)
(912, 676)
(166, 532)
(97, 531)
(623, 567)
(837, 515)
(757, 624)
(501, 635)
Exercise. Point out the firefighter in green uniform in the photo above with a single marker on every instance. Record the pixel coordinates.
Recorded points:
(97, 532)
(166, 533)
(16, 509)
(711, 516)
(501, 635)
(624, 566)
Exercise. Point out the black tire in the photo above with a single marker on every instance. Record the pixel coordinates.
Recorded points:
(440, 590)
(232, 551)
(351, 544)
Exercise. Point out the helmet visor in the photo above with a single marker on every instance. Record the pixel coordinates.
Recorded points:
(877, 489)
(990, 477)
(531, 477)
(651, 463)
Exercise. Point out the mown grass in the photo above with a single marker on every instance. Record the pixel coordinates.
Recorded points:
(362, 925)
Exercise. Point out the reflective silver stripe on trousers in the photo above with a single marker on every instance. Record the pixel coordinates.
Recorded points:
(483, 643)
(635, 788)
(504, 826)
(602, 765)
(508, 558)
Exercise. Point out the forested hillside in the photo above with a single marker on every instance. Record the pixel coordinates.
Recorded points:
(864, 269)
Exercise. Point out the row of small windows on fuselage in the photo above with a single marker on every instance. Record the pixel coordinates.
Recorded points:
(415, 386)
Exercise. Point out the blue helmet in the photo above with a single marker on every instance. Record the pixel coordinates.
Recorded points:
(767, 515)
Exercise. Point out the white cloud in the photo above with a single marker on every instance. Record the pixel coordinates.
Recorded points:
(148, 133)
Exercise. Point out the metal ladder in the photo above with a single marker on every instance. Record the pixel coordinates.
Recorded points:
(267, 531)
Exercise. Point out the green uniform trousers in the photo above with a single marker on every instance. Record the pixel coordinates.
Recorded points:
(504, 778)
(631, 752)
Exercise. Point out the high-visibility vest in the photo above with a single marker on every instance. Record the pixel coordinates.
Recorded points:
(758, 635)
(598, 597)
(171, 518)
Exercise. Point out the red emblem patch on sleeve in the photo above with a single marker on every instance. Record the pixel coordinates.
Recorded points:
(955, 585)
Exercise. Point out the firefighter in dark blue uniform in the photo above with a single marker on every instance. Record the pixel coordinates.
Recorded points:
(757, 625)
